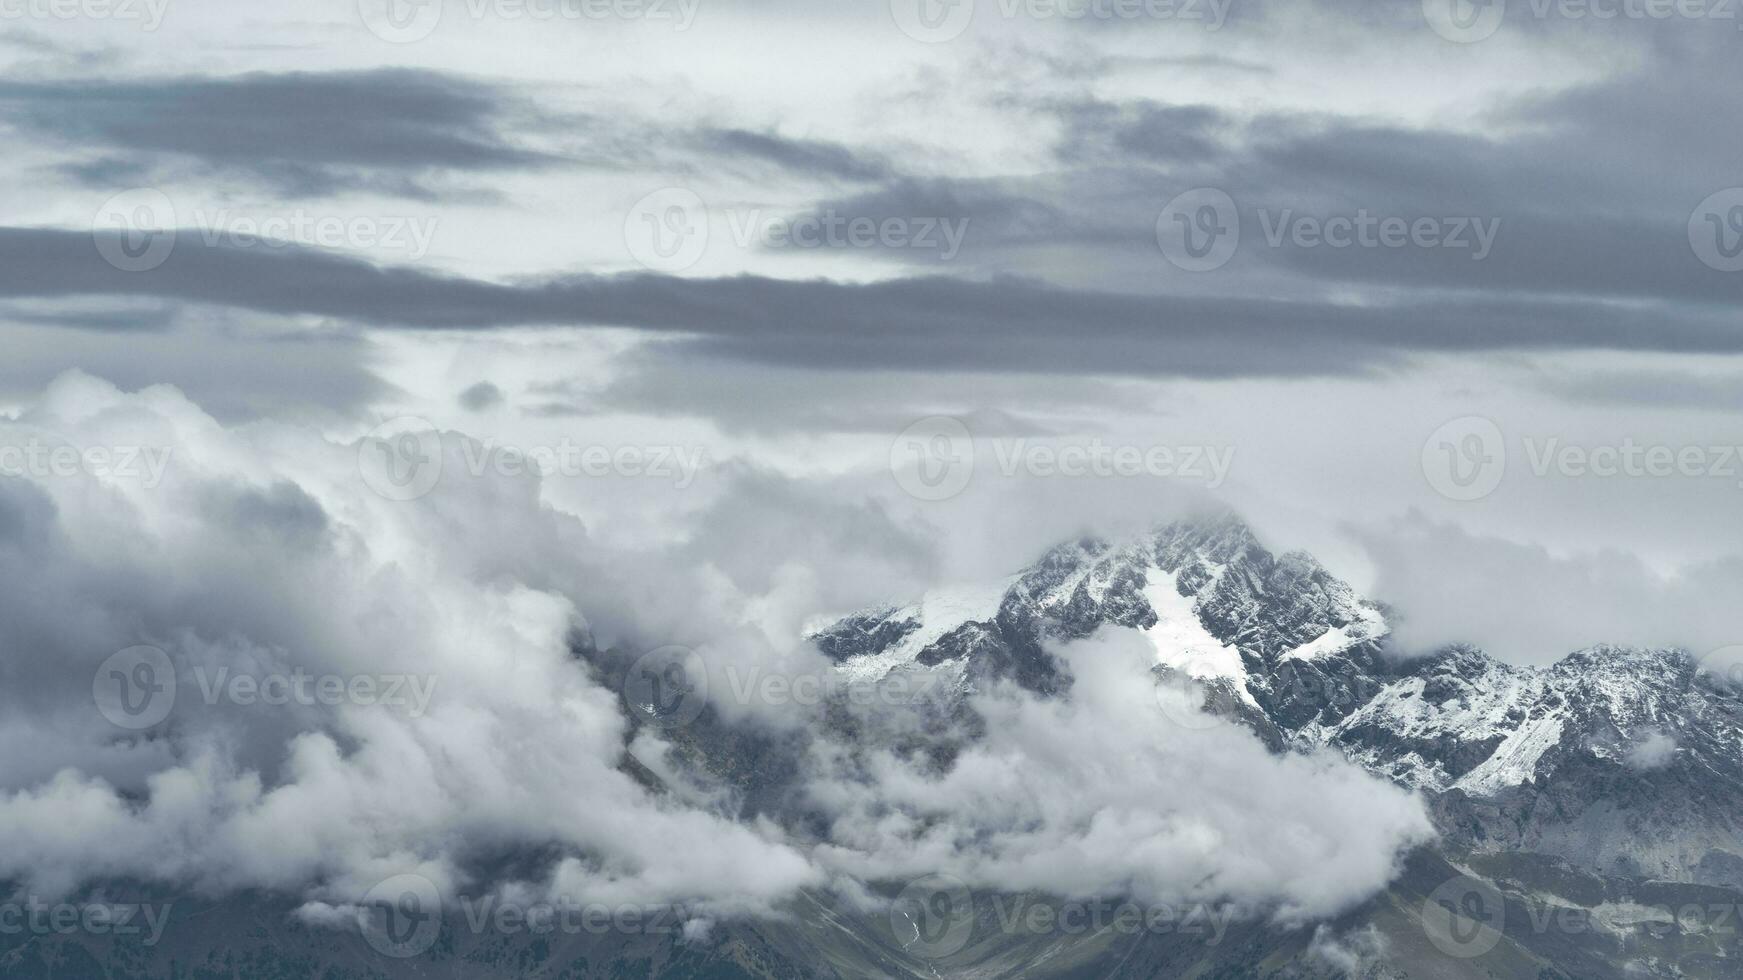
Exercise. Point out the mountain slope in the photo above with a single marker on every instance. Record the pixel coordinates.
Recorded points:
(1619, 761)
(1589, 810)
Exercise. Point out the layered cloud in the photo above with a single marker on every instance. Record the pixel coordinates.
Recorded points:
(303, 134)
(265, 551)
(1582, 160)
(1527, 604)
(1104, 793)
(259, 552)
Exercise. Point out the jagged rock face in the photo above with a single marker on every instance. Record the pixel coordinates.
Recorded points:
(1625, 762)
(1620, 761)
(1607, 787)
(1225, 587)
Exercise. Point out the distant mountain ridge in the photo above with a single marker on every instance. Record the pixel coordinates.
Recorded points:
(1588, 810)
(1617, 760)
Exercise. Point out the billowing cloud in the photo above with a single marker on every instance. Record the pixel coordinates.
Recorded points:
(272, 552)
(1104, 794)
(923, 324)
(303, 133)
(441, 717)
(1525, 604)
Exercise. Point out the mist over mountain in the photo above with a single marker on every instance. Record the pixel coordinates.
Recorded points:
(936, 489)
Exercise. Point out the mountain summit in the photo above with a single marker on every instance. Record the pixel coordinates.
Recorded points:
(1618, 761)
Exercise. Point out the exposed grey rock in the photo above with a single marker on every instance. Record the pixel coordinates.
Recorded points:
(1543, 760)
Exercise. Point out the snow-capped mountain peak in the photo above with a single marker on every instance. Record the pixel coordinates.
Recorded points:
(1212, 599)
(1286, 648)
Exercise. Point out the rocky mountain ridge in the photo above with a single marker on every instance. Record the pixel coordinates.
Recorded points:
(1617, 760)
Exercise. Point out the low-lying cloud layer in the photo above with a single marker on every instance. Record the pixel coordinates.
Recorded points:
(1526, 605)
(259, 551)
(1103, 792)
